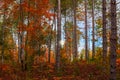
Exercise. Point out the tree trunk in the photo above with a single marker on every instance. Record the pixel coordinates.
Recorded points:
(113, 41)
(74, 31)
(58, 36)
(49, 49)
(93, 30)
(49, 44)
(65, 30)
(20, 38)
(86, 32)
(55, 30)
(26, 42)
(104, 34)
(3, 38)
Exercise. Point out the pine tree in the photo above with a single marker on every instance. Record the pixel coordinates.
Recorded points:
(58, 36)
(113, 41)
(93, 30)
(86, 32)
(104, 34)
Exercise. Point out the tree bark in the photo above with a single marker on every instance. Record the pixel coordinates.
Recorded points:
(26, 42)
(20, 37)
(3, 38)
(93, 30)
(86, 32)
(104, 34)
(58, 36)
(74, 30)
(113, 41)
(49, 44)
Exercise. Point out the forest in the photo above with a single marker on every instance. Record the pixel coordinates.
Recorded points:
(59, 39)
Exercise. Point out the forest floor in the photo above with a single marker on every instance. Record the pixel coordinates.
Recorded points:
(45, 71)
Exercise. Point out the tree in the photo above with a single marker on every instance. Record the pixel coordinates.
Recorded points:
(26, 42)
(4, 9)
(104, 34)
(74, 30)
(3, 34)
(86, 32)
(50, 42)
(58, 36)
(93, 30)
(20, 36)
(113, 41)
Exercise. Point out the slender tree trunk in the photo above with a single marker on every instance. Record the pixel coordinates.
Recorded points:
(3, 37)
(20, 37)
(26, 42)
(93, 30)
(104, 34)
(55, 30)
(3, 41)
(49, 44)
(113, 41)
(49, 49)
(66, 38)
(58, 36)
(74, 30)
(86, 32)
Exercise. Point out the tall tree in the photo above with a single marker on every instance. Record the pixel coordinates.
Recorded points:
(93, 30)
(65, 28)
(104, 34)
(20, 35)
(86, 32)
(74, 30)
(26, 42)
(50, 43)
(3, 32)
(58, 36)
(113, 41)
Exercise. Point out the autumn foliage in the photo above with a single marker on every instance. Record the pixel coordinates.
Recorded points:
(26, 30)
